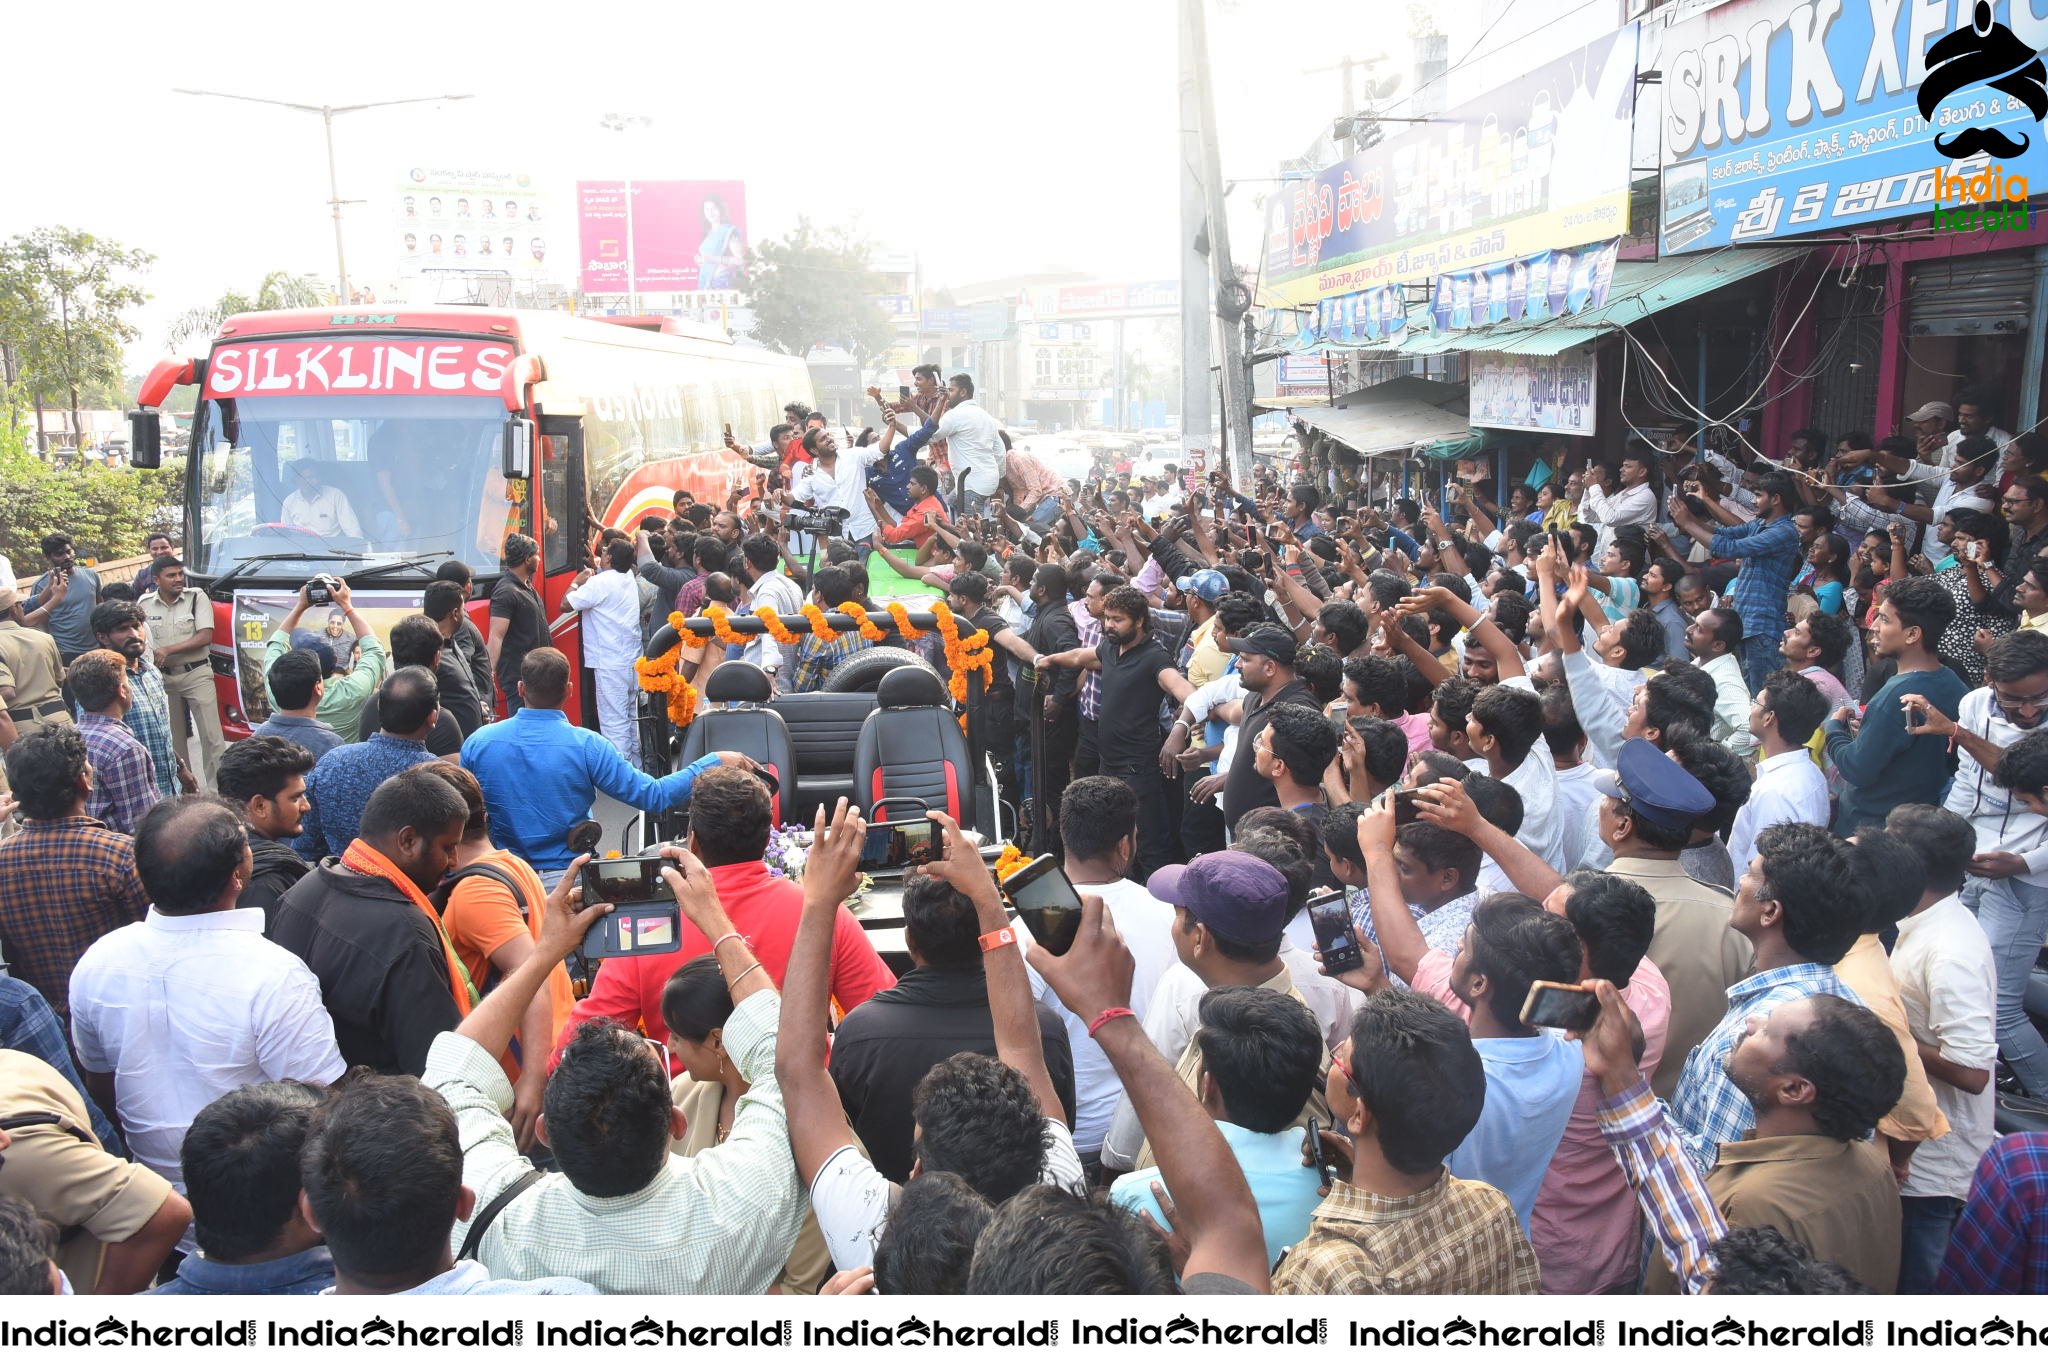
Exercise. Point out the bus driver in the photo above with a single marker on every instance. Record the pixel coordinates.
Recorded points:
(318, 507)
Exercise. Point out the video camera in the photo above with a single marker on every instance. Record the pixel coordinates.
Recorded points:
(826, 522)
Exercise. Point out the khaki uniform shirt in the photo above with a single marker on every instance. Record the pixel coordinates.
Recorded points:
(1836, 1196)
(31, 665)
(93, 1198)
(1700, 955)
(178, 620)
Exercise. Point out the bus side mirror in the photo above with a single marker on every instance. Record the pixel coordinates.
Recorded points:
(145, 439)
(518, 451)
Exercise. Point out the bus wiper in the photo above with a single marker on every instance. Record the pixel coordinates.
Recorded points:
(251, 562)
(417, 561)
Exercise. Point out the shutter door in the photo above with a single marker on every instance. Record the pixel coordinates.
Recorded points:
(1968, 296)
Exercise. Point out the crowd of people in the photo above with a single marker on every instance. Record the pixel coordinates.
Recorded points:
(1655, 736)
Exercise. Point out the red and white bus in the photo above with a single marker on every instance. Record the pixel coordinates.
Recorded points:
(445, 430)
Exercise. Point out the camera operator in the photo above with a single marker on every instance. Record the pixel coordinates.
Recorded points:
(838, 478)
(347, 687)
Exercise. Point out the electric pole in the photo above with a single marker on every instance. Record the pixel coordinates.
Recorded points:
(1231, 296)
(1196, 323)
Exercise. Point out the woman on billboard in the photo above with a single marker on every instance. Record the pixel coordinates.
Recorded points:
(721, 255)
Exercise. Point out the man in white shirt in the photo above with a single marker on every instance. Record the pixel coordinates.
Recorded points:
(1634, 504)
(1974, 416)
(1947, 985)
(1099, 831)
(1788, 786)
(766, 583)
(2008, 884)
(1505, 728)
(974, 440)
(320, 508)
(837, 477)
(1715, 640)
(192, 1002)
(610, 604)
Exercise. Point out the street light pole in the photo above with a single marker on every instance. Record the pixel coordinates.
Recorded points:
(327, 113)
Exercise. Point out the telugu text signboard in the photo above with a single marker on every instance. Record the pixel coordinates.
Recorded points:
(1785, 117)
(1532, 393)
(1541, 162)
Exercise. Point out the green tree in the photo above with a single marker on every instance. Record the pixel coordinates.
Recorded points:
(279, 290)
(109, 512)
(814, 288)
(64, 295)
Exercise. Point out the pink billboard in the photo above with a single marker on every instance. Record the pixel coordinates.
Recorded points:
(684, 235)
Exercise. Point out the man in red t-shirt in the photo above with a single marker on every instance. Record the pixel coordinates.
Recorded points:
(729, 821)
(914, 526)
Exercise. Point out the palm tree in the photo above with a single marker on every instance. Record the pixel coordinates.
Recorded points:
(279, 290)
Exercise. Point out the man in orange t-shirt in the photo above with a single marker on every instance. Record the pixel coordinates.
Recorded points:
(492, 937)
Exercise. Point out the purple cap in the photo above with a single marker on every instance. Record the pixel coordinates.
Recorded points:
(1237, 895)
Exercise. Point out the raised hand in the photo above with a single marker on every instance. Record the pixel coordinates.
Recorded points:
(833, 864)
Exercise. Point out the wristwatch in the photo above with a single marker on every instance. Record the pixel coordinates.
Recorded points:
(1444, 545)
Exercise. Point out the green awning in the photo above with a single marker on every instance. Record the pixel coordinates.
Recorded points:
(1640, 289)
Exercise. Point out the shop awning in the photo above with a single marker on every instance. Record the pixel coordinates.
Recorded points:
(1640, 289)
(1397, 415)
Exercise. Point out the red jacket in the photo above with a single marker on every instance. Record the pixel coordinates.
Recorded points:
(913, 528)
(763, 908)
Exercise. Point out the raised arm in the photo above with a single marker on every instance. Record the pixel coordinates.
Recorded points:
(1400, 939)
(817, 1118)
(1214, 1209)
(1445, 803)
(1481, 626)
(1010, 1003)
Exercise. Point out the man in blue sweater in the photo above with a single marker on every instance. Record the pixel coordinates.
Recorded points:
(540, 774)
(1883, 765)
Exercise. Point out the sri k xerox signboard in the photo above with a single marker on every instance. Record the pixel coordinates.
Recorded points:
(1788, 117)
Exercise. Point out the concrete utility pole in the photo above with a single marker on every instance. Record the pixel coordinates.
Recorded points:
(1195, 324)
(1232, 296)
(327, 113)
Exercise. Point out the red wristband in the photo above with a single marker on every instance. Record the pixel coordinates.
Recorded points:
(996, 939)
(1108, 1015)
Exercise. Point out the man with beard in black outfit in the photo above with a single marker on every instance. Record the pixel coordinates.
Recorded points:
(1138, 676)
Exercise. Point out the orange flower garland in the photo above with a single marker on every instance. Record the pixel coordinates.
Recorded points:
(973, 652)
(1009, 861)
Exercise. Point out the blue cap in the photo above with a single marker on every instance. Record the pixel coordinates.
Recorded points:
(1239, 896)
(1656, 785)
(1207, 585)
(321, 647)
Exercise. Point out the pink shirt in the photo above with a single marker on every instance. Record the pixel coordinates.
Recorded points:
(1415, 726)
(1585, 1225)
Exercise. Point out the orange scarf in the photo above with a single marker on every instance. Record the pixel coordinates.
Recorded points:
(362, 858)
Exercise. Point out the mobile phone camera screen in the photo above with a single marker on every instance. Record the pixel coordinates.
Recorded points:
(623, 881)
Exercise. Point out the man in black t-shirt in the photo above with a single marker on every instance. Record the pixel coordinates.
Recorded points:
(1051, 696)
(995, 725)
(519, 620)
(1265, 659)
(1137, 677)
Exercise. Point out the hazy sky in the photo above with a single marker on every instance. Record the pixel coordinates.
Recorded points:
(990, 137)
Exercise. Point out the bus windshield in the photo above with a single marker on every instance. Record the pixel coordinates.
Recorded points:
(325, 477)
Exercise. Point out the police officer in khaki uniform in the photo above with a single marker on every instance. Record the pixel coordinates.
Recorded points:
(180, 622)
(31, 679)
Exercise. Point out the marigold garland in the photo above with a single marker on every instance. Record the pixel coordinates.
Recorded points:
(963, 654)
(1009, 861)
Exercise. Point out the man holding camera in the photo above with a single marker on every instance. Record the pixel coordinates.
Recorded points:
(342, 693)
(837, 478)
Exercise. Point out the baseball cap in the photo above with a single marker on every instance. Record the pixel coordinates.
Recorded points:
(1275, 643)
(1207, 585)
(1654, 784)
(1237, 895)
(1932, 410)
(303, 639)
